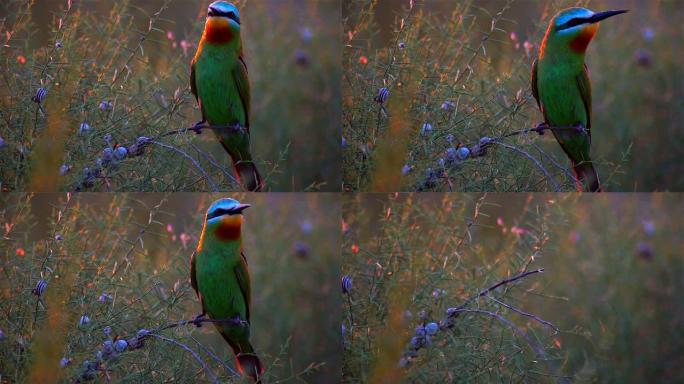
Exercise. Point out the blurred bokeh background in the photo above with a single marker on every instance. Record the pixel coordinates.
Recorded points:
(612, 284)
(122, 68)
(123, 261)
(464, 68)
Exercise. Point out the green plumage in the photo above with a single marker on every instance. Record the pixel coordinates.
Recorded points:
(220, 277)
(220, 83)
(562, 88)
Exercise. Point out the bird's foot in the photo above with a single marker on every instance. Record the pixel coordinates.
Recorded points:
(238, 322)
(197, 128)
(540, 128)
(580, 129)
(197, 321)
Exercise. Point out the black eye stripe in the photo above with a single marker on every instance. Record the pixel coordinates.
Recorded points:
(572, 23)
(217, 213)
(230, 14)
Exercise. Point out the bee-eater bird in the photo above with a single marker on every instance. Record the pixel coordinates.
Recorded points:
(219, 81)
(219, 275)
(561, 86)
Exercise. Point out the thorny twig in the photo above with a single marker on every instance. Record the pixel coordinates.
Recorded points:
(106, 351)
(479, 149)
(137, 148)
(423, 334)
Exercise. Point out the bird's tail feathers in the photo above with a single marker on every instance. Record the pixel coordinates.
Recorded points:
(247, 361)
(248, 175)
(586, 177)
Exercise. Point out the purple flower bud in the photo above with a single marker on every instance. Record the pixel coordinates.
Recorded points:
(450, 138)
(120, 345)
(64, 362)
(402, 45)
(431, 328)
(104, 297)
(648, 34)
(306, 34)
(143, 332)
(406, 169)
(441, 162)
(485, 140)
(463, 153)
(306, 226)
(417, 342)
(120, 153)
(83, 321)
(426, 129)
(107, 138)
(58, 237)
(344, 143)
(64, 169)
(420, 331)
(2, 142)
(105, 105)
(83, 128)
(40, 288)
(346, 284)
(649, 227)
(58, 44)
(107, 330)
(40, 95)
(447, 105)
(383, 95)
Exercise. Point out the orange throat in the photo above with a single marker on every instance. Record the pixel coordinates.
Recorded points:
(580, 43)
(217, 31)
(229, 228)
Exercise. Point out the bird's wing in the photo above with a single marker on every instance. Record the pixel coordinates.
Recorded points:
(242, 275)
(584, 85)
(242, 84)
(193, 271)
(535, 90)
(193, 85)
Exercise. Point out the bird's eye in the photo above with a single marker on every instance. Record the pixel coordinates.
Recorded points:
(233, 16)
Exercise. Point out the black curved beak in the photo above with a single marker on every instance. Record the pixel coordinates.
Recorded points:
(239, 208)
(604, 15)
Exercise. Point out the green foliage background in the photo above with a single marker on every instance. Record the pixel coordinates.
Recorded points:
(611, 284)
(136, 55)
(136, 248)
(477, 55)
